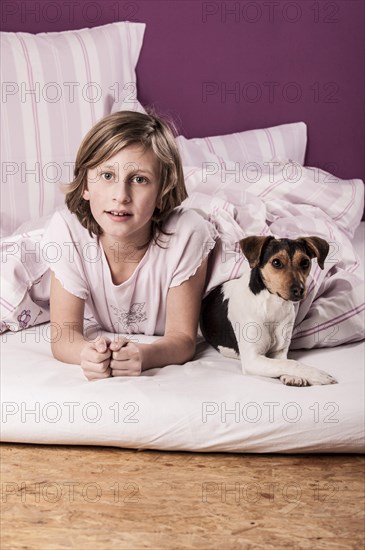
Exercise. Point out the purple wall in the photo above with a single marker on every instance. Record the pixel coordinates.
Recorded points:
(223, 66)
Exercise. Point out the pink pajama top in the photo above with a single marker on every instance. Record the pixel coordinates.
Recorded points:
(138, 305)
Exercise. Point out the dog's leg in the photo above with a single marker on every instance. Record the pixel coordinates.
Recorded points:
(290, 372)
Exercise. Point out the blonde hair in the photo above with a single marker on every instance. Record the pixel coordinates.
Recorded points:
(109, 136)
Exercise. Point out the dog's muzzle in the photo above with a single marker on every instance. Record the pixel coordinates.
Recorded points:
(297, 291)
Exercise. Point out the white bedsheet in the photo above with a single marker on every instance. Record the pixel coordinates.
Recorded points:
(204, 405)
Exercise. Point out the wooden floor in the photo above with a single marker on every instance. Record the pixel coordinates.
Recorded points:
(108, 498)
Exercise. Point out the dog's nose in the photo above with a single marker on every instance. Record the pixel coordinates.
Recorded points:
(297, 291)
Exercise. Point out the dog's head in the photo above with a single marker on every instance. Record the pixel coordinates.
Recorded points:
(284, 264)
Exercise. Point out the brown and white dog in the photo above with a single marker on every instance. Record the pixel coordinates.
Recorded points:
(252, 317)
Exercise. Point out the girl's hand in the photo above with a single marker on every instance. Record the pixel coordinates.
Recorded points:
(126, 358)
(95, 359)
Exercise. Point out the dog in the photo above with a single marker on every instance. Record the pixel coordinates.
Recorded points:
(252, 318)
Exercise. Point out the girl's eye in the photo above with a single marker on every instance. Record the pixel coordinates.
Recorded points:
(139, 179)
(277, 263)
(107, 175)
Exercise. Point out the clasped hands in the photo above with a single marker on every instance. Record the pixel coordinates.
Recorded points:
(103, 358)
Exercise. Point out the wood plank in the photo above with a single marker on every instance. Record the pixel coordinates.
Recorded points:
(56, 497)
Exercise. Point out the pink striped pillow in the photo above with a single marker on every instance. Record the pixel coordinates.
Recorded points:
(77, 78)
(288, 141)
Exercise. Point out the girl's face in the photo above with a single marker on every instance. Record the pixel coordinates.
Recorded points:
(122, 192)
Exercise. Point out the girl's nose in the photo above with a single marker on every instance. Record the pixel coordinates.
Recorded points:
(121, 192)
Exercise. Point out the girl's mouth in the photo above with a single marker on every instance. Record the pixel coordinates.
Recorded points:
(119, 216)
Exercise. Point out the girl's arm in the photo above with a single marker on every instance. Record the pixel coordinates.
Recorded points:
(67, 335)
(67, 323)
(182, 317)
(178, 344)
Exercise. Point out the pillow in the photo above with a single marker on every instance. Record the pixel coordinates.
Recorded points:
(24, 282)
(288, 141)
(55, 87)
(222, 153)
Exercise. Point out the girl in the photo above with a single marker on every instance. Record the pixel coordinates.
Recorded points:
(129, 258)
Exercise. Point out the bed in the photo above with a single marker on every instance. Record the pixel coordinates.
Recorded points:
(251, 182)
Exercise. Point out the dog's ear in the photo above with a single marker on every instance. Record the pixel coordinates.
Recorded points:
(253, 247)
(316, 247)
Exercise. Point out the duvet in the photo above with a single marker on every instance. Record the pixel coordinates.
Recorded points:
(279, 198)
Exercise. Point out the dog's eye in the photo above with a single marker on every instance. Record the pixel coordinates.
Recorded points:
(304, 264)
(277, 263)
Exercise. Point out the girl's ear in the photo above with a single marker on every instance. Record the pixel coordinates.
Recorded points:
(86, 195)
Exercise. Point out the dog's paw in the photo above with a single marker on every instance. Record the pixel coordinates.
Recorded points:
(319, 377)
(308, 376)
(289, 380)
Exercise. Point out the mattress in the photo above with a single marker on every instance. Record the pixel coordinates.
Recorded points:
(204, 405)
